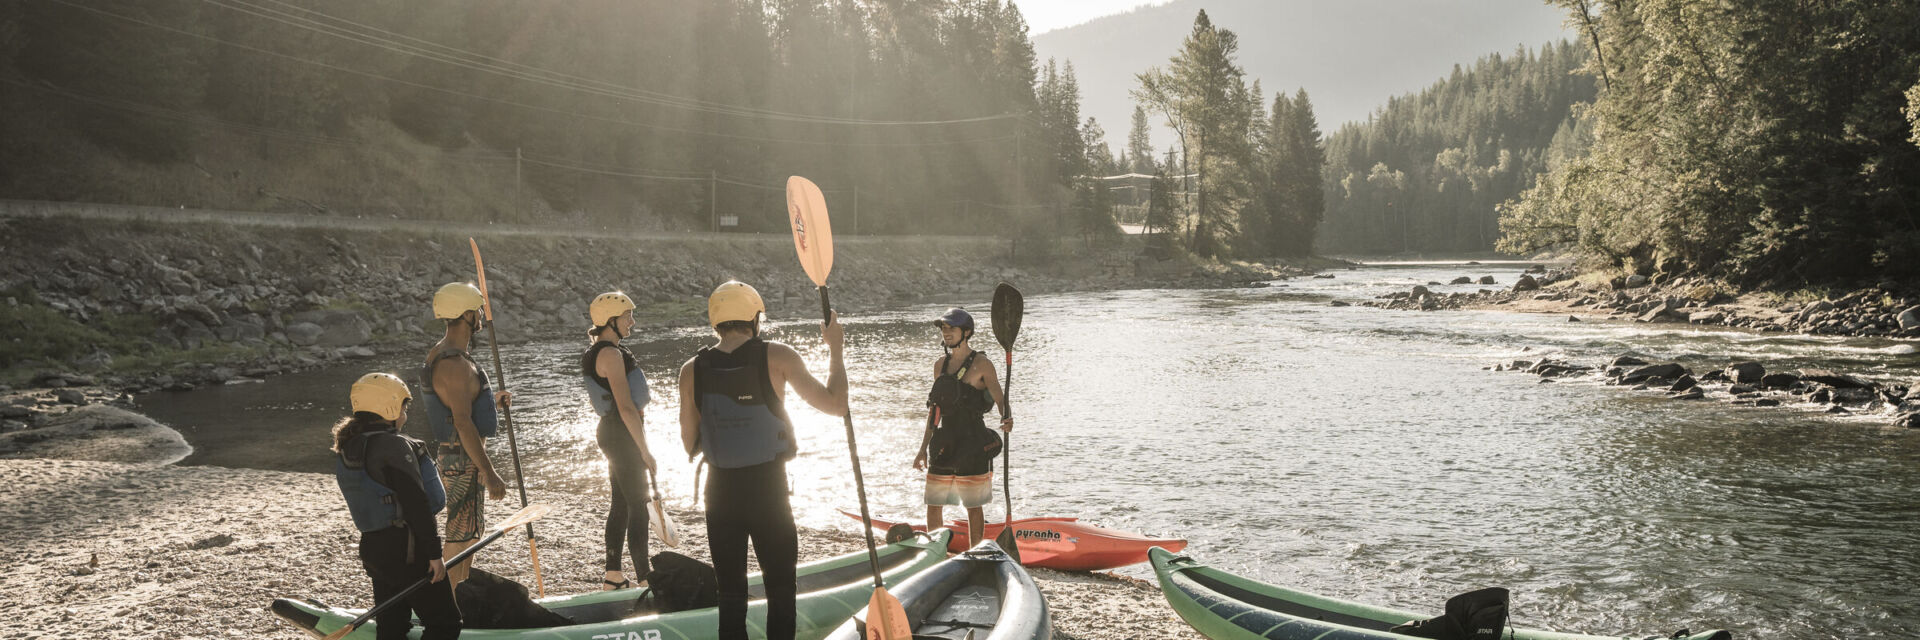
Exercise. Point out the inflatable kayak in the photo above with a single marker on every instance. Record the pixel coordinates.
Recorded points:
(831, 590)
(1065, 544)
(980, 593)
(1224, 606)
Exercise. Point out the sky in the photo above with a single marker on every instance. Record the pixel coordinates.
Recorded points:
(1046, 15)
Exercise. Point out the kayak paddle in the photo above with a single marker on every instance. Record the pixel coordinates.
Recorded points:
(1008, 306)
(506, 415)
(663, 526)
(813, 241)
(526, 515)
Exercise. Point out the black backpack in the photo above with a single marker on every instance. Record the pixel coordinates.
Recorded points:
(1475, 615)
(488, 601)
(680, 583)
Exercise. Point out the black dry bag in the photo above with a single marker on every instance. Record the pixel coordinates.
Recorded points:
(1475, 615)
(680, 583)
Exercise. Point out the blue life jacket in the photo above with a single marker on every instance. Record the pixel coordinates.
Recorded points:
(742, 420)
(486, 418)
(372, 503)
(598, 390)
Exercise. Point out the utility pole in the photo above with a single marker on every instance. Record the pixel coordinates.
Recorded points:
(856, 210)
(713, 192)
(1019, 193)
(516, 184)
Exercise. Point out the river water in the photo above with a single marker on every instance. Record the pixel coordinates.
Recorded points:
(1355, 452)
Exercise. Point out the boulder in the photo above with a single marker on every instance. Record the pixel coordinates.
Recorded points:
(356, 353)
(1635, 281)
(1836, 380)
(1910, 421)
(1627, 361)
(305, 334)
(1910, 319)
(1694, 393)
(1706, 317)
(338, 327)
(1684, 383)
(1668, 370)
(1715, 375)
(1337, 303)
(1740, 389)
(1462, 280)
(1526, 283)
(70, 396)
(1487, 280)
(1779, 380)
(1746, 372)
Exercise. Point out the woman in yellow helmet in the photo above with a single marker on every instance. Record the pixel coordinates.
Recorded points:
(393, 491)
(733, 411)
(619, 394)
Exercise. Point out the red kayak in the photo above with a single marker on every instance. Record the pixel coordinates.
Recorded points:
(1065, 544)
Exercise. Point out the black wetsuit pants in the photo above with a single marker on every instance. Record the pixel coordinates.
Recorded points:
(750, 504)
(384, 555)
(627, 520)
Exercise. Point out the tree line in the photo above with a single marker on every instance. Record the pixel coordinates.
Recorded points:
(934, 110)
(1426, 171)
(1767, 143)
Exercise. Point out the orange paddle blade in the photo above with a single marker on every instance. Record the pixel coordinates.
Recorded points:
(887, 618)
(812, 232)
(480, 269)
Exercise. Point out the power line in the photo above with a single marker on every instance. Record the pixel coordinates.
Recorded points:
(452, 56)
(521, 104)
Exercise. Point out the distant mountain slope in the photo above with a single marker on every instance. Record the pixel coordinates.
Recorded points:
(1349, 54)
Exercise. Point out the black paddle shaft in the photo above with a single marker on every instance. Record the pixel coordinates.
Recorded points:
(853, 450)
(417, 584)
(506, 415)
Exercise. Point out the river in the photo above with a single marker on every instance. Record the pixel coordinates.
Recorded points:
(1356, 452)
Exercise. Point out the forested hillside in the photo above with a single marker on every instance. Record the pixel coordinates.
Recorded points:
(1762, 142)
(1426, 171)
(639, 114)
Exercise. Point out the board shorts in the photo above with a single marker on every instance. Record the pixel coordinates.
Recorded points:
(959, 491)
(461, 477)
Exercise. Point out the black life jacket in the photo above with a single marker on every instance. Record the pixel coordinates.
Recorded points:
(952, 393)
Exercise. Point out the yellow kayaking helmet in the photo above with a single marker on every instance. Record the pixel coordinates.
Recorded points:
(456, 298)
(381, 394)
(608, 306)
(734, 301)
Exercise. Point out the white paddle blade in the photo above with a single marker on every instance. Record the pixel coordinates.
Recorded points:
(812, 232)
(663, 526)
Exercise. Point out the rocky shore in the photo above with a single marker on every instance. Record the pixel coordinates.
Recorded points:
(102, 548)
(139, 306)
(1744, 383)
(1879, 311)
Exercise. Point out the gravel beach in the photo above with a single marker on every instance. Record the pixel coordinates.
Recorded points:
(168, 551)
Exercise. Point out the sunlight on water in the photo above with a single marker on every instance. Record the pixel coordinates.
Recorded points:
(1357, 452)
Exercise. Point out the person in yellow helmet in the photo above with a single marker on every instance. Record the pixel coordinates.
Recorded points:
(393, 491)
(733, 411)
(618, 391)
(462, 410)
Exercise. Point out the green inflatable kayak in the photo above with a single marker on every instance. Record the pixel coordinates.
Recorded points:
(831, 590)
(1223, 606)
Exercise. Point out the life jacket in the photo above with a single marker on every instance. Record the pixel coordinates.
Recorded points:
(952, 393)
(598, 390)
(742, 420)
(372, 503)
(486, 418)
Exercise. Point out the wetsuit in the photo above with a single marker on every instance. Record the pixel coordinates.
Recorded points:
(397, 555)
(747, 438)
(628, 518)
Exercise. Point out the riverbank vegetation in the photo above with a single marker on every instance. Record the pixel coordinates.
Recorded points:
(1764, 143)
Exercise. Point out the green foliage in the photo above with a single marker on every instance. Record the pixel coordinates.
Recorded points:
(1762, 143)
(1426, 172)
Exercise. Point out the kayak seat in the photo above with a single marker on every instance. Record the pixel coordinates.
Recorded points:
(970, 607)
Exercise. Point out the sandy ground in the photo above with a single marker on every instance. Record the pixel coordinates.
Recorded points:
(114, 549)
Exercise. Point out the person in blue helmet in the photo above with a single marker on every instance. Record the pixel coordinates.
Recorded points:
(957, 449)
(393, 491)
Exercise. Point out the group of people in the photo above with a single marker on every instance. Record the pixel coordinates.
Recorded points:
(732, 412)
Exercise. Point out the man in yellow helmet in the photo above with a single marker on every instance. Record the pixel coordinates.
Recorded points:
(733, 410)
(462, 410)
